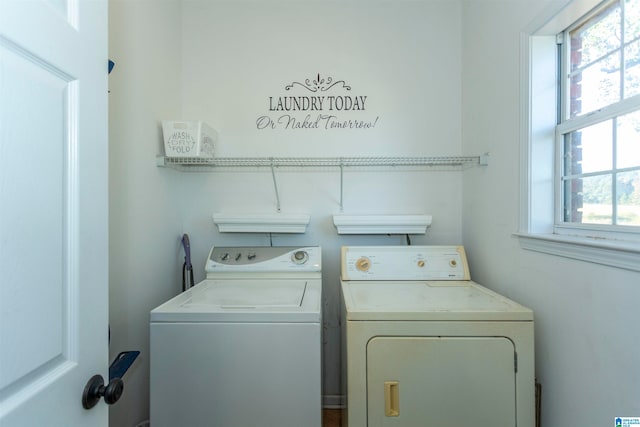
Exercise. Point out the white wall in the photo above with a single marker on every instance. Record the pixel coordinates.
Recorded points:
(144, 262)
(587, 344)
(220, 61)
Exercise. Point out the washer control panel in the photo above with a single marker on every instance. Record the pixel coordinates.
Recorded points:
(267, 258)
(404, 263)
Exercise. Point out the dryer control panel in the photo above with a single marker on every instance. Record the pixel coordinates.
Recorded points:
(263, 259)
(404, 263)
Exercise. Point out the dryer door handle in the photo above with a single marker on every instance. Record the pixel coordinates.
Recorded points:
(392, 398)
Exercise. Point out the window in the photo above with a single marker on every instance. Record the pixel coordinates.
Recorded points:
(581, 133)
(598, 135)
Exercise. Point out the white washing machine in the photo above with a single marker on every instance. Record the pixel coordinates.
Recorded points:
(243, 347)
(423, 345)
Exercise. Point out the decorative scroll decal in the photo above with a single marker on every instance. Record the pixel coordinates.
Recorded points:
(318, 109)
(318, 84)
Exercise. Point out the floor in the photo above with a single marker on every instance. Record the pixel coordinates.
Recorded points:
(331, 418)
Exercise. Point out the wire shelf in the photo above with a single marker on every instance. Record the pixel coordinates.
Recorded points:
(342, 163)
(199, 164)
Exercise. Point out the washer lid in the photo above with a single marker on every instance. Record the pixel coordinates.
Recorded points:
(244, 300)
(439, 300)
(248, 293)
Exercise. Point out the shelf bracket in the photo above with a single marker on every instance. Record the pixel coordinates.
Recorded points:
(275, 184)
(341, 185)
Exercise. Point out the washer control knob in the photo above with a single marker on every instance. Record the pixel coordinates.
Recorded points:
(300, 257)
(363, 264)
(421, 263)
(453, 263)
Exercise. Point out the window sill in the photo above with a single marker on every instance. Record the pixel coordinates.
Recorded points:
(625, 255)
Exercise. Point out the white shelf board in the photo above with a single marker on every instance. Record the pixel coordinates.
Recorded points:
(261, 223)
(382, 224)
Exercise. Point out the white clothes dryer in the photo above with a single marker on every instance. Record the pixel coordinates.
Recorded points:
(243, 347)
(423, 345)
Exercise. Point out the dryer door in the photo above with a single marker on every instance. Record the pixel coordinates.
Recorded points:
(441, 381)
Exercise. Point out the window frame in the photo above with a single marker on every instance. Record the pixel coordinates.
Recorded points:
(541, 155)
(613, 231)
(567, 125)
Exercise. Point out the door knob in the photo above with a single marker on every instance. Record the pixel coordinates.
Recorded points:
(95, 389)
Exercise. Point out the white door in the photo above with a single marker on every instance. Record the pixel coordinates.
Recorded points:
(441, 381)
(53, 210)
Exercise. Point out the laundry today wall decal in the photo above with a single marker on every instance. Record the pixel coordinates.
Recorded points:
(320, 103)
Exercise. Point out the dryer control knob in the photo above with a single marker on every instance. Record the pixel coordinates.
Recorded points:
(300, 257)
(363, 264)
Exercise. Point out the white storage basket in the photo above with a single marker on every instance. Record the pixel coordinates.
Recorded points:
(188, 139)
